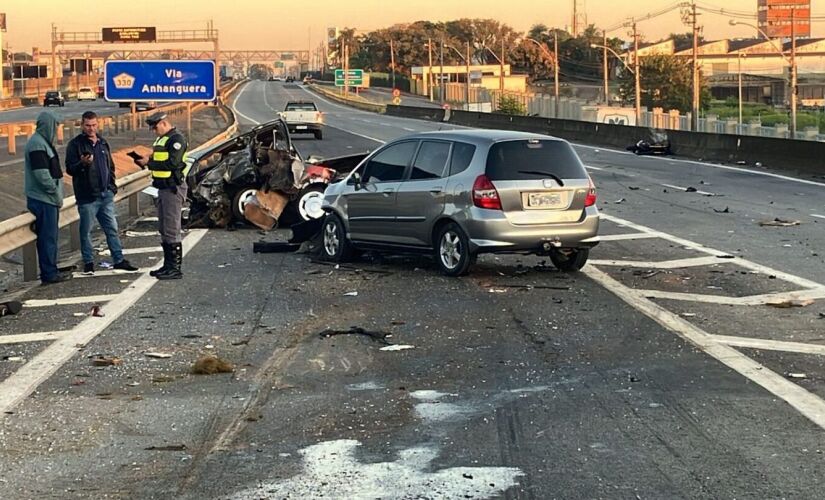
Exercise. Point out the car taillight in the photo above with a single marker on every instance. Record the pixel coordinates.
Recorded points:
(320, 117)
(590, 199)
(485, 194)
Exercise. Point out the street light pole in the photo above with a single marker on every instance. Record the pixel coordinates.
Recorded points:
(637, 74)
(392, 63)
(794, 83)
(430, 69)
(604, 62)
(441, 72)
(696, 82)
(556, 68)
(467, 62)
(740, 92)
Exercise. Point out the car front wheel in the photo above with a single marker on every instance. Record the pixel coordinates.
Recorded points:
(452, 250)
(570, 261)
(337, 247)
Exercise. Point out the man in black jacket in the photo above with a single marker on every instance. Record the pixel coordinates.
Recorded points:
(89, 161)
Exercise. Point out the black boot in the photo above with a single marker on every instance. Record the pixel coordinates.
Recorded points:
(167, 259)
(174, 272)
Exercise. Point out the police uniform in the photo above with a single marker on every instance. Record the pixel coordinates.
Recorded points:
(169, 169)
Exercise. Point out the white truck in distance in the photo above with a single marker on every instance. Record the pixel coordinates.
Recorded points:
(303, 117)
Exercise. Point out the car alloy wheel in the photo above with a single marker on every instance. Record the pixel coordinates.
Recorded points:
(332, 240)
(453, 250)
(450, 250)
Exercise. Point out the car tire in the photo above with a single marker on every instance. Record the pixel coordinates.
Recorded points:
(319, 135)
(239, 200)
(452, 250)
(570, 263)
(336, 246)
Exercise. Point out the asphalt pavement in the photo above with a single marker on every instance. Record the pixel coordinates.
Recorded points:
(657, 372)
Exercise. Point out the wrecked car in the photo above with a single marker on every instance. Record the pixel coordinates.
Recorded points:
(657, 143)
(224, 178)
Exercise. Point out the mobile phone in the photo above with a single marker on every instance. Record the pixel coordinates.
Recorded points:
(134, 155)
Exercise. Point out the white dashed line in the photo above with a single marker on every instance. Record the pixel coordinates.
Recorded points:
(631, 236)
(818, 216)
(681, 188)
(667, 264)
(770, 345)
(133, 251)
(65, 301)
(31, 337)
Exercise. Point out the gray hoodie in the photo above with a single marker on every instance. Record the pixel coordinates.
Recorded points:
(44, 177)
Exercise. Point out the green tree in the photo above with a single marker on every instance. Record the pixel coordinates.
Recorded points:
(509, 105)
(666, 82)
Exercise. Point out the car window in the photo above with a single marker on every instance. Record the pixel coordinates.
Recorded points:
(462, 156)
(301, 107)
(430, 161)
(390, 164)
(528, 159)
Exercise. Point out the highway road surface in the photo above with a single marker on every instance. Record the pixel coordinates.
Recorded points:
(659, 371)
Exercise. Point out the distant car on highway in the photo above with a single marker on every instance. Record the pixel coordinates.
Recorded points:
(139, 105)
(86, 94)
(458, 194)
(101, 83)
(303, 117)
(54, 97)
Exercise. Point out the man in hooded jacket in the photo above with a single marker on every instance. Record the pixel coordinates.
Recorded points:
(44, 194)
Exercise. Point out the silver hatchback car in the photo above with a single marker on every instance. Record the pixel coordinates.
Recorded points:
(458, 194)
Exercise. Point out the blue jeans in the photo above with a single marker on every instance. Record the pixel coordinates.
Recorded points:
(45, 226)
(102, 209)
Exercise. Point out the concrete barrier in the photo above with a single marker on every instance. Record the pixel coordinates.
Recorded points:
(802, 157)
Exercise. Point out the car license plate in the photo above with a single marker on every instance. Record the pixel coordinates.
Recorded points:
(544, 200)
(301, 127)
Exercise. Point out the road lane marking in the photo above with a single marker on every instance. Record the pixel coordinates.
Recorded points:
(66, 301)
(11, 162)
(753, 266)
(748, 300)
(25, 380)
(408, 129)
(803, 401)
(235, 103)
(105, 273)
(140, 234)
(630, 236)
(666, 264)
(148, 219)
(712, 165)
(379, 141)
(133, 251)
(591, 167)
(20, 338)
(818, 216)
(681, 188)
(770, 345)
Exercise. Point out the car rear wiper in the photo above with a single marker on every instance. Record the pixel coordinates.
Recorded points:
(547, 174)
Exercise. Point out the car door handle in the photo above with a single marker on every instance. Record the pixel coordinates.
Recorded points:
(388, 192)
(436, 190)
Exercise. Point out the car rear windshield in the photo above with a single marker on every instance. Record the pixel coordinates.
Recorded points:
(85, 89)
(51, 94)
(527, 159)
(301, 106)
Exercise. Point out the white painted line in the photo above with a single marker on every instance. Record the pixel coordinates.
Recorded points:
(104, 273)
(10, 162)
(750, 300)
(133, 251)
(140, 234)
(770, 345)
(667, 264)
(630, 236)
(796, 280)
(818, 216)
(803, 401)
(25, 380)
(65, 301)
(711, 165)
(148, 219)
(356, 133)
(681, 188)
(591, 167)
(235, 102)
(20, 338)
(408, 129)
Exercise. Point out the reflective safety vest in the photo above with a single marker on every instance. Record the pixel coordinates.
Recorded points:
(159, 153)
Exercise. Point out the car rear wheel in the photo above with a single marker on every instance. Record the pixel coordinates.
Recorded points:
(570, 261)
(336, 246)
(239, 202)
(452, 250)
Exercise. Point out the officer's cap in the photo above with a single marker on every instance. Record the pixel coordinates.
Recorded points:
(155, 118)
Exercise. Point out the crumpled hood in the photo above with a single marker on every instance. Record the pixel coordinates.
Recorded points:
(47, 123)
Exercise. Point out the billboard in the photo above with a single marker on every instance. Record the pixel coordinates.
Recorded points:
(784, 18)
(130, 35)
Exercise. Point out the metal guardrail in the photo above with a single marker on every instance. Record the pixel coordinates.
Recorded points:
(18, 232)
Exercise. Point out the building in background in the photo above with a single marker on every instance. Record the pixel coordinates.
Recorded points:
(775, 18)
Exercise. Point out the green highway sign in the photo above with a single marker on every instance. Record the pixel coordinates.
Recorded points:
(355, 77)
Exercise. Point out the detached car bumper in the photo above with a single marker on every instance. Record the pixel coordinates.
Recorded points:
(490, 231)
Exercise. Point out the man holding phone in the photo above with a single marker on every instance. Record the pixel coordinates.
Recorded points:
(89, 161)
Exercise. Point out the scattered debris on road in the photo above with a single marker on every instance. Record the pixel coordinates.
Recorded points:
(10, 307)
(397, 347)
(725, 211)
(797, 375)
(158, 355)
(777, 222)
(633, 188)
(100, 360)
(96, 311)
(785, 304)
(168, 447)
(351, 294)
(620, 201)
(210, 365)
(274, 247)
(357, 330)
(691, 189)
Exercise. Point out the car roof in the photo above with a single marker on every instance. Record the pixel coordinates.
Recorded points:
(481, 136)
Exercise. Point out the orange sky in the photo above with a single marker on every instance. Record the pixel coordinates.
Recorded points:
(291, 24)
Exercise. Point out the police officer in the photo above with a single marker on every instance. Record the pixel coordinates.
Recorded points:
(169, 177)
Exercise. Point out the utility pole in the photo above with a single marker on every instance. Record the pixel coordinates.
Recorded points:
(556, 68)
(441, 72)
(604, 62)
(696, 80)
(574, 26)
(346, 68)
(794, 82)
(392, 62)
(54, 58)
(740, 92)
(637, 72)
(467, 62)
(430, 69)
(501, 69)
